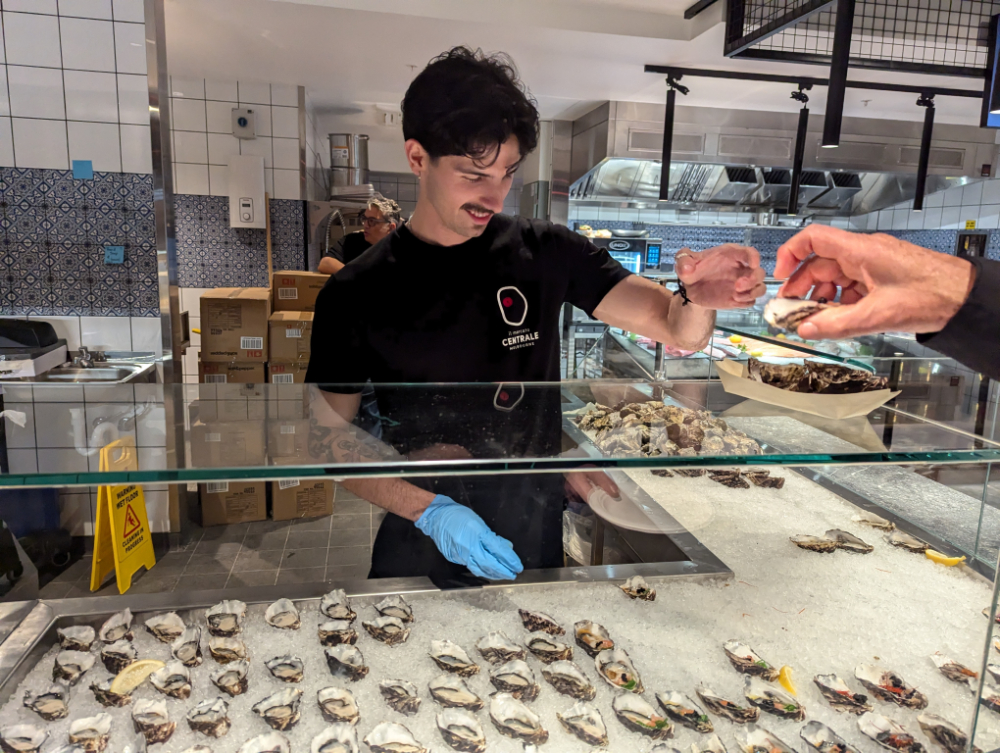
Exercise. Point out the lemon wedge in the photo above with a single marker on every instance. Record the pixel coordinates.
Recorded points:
(781, 336)
(756, 353)
(785, 679)
(735, 339)
(941, 559)
(134, 675)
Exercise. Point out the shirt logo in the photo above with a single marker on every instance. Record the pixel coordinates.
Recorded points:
(508, 396)
(513, 305)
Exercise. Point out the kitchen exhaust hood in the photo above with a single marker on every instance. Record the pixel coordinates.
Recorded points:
(741, 160)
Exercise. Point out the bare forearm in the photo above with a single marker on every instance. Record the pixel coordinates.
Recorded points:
(642, 306)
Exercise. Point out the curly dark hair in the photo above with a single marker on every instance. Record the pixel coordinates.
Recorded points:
(468, 103)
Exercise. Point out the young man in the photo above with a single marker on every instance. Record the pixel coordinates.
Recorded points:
(465, 295)
(380, 218)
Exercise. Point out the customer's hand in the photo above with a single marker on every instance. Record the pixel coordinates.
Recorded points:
(885, 284)
(465, 539)
(724, 277)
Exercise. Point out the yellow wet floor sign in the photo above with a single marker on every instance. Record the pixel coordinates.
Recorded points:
(122, 539)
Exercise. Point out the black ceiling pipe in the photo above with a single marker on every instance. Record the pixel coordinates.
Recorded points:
(800, 150)
(838, 73)
(925, 151)
(668, 135)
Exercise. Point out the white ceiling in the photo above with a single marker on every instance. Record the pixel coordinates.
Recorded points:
(571, 53)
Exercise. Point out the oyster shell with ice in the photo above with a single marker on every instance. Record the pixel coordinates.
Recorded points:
(166, 627)
(789, 313)
(50, 704)
(759, 740)
(888, 733)
(592, 638)
(71, 665)
(334, 632)
(338, 705)
(104, 696)
(835, 690)
(91, 733)
(584, 721)
(76, 637)
(849, 542)
(210, 717)
(682, 709)
(118, 655)
(746, 660)
(224, 649)
(903, 540)
(118, 627)
(639, 716)
(873, 520)
(636, 587)
(280, 710)
(942, 732)
(513, 719)
(773, 699)
(497, 648)
(461, 730)
(710, 744)
(283, 614)
(567, 679)
(186, 648)
(337, 738)
(346, 661)
(150, 718)
(286, 668)
(889, 686)
(451, 691)
(225, 619)
(452, 658)
(390, 630)
(515, 677)
(729, 709)
(400, 695)
(395, 606)
(22, 738)
(956, 672)
(615, 667)
(232, 678)
(172, 679)
(822, 739)
(389, 737)
(336, 606)
(538, 621)
(814, 543)
(991, 698)
(272, 742)
(548, 649)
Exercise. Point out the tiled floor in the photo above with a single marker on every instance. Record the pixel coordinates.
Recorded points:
(252, 554)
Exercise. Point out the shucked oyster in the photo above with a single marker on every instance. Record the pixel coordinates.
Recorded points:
(849, 542)
(990, 698)
(461, 730)
(118, 655)
(515, 677)
(584, 721)
(338, 705)
(452, 691)
(497, 648)
(388, 737)
(151, 719)
(272, 742)
(566, 678)
(789, 313)
(729, 709)
(50, 704)
(548, 649)
(187, 647)
(759, 740)
(513, 719)
(225, 619)
(104, 696)
(395, 606)
(949, 736)
(232, 678)
(682, 709)
(280, 710)
(635, 713)
(888, 733)
(22, 738)
(225, 650)
(91, 732)
(746, 660)
(903, 540)
(822, 739)
(835, 690)
(346, 660)
(889, 686)
(337, 738)
(70, 665)
(286, 668)
(333, 632)
(283, 614)
(390, 630)
(118, 627)
(166, 627)
(616, 668)
(172, 679)
(452, 658)
(400, 695)
(636, 587)
(535, 621)
(592, 638)
(336, 606)
(873, 520)
(814, 543)
(956, 672)
(76, 637)
(773, 699)
(210, 717)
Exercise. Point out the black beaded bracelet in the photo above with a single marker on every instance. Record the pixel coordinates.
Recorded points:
(682, 292)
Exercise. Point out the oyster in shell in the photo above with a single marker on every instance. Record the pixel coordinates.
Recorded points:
(210, 717)
(118, 627)
(346, 660)
(746, 660)
(513, 719)
(903, 540)
(22, 738)
(592, 638)
(452, 691)
(272, 742)
(773, 699)
(535, 621)
(949, 736)
(388, 737)
(172, 679)
(50, 704)
(452, 658)
(515, 677)
(400, 695)
(888, 733)
(395, 606)
(283, 614)
(104, 696)
(336, 606)
(187, 647)
(789, 313)
(639, 716)
(991, 698)
(76, 637)
(232, 678)
(682, 709)
(615, 667)
(729, 709)
(337, 738)
(765, 480)
(889, 686)
(338, 705)
(822, 739)
(91, 733)
(875, 521)
(390, 630)
(759, 740)
(118, 655)
(814, 543)
(835, 690)
(334, 632)
(151, 719)
(225, 650)
(225, 619)
(548, 649)
(729, 478)
(956, 672)
(286, 668)
(584, 721)
(497, 648)
(280, 710)
(567, 679)
(166, 627)
(71, 665)
(849, 542)
(461, 730)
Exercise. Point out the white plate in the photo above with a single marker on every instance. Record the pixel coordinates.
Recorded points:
(621, 512)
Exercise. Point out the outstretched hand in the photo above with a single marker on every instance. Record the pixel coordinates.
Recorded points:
(725, 277)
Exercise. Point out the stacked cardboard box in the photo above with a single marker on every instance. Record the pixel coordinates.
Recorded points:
(290, 326)
(232, 502)
(300, 498)
(234, 324)
(297, 291)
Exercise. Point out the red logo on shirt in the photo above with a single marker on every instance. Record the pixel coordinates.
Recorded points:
(514, 310)
(508, 302)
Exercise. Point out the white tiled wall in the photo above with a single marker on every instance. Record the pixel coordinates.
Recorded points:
(202, 132)
(944, 210)
(73, 76)
(317, 155)
(137, 334)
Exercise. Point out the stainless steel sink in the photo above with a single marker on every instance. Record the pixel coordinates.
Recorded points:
(106, 372)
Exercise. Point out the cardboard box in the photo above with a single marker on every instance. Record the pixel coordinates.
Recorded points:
(301, 498)
(234, 324)
(233, 372)
(296, 291)
(288, 337)
(287, 373)
(288, 438)
(232, 502)
(228, 444)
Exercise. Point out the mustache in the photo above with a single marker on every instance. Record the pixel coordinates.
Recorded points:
(478, 208)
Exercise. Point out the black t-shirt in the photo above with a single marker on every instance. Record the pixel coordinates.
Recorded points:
(350, 247)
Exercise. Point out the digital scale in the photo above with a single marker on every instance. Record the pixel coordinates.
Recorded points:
(635, 254)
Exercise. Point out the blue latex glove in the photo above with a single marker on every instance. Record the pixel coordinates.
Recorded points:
(465, 539)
